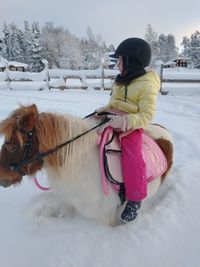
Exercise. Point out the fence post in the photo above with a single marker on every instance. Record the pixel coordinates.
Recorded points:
(7, 73)
(46, 69)
(161, 78)
(102, 74)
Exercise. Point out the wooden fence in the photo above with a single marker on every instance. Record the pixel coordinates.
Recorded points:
(174, 80)
(60, 79)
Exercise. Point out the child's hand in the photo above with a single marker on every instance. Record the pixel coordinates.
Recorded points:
(116, 122)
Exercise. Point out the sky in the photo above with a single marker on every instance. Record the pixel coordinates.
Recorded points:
(114, 20)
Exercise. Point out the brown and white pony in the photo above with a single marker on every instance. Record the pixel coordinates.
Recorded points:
(73, 171)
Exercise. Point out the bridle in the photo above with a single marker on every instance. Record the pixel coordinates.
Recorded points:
(18, 167)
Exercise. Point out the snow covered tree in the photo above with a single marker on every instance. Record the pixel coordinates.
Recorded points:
(167, 47)
(26, 44)
(151, 38)
(51, 44)
(2, 48)
(172, 50)
(7, 42)
(61, 48)
(162, 41)
(17, 40)
(13, 41)
(192, 48)
(89, 48)
(36, 49)
(93, 49)
(186, 46)
(70, 54)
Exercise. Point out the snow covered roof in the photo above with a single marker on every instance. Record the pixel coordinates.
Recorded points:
(169, 63)
(17, 64)
(14, 64)
(158, 62)
(181, 58)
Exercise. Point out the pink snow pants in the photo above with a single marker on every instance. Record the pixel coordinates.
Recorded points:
(133, 166)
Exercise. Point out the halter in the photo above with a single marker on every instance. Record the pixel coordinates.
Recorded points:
(17, 167)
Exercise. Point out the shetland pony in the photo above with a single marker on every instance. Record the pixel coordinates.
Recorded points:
(73, 171)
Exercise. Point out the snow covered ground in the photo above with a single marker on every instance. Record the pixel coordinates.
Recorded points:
(37, 231)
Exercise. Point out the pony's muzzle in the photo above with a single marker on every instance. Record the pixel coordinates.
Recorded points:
(5, 183)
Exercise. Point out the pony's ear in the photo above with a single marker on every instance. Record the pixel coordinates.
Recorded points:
(28, 120)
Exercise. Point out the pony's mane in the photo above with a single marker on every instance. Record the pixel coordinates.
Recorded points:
(7, 125)
(54, 129)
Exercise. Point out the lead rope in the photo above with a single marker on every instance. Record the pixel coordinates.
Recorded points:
(42, 155)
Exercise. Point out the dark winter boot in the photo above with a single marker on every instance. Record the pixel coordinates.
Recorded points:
(130, 212)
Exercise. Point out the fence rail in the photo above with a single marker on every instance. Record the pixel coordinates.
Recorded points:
(164, 79)
(60, 79)
(180, 81)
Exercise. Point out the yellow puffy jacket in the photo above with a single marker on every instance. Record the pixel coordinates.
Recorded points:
(140, 100)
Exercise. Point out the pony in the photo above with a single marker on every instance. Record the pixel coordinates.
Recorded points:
(73, 170)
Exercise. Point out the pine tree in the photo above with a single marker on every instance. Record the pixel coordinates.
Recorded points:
(186, 46)
(51, 44)
(162, 41)
(151, 38)
(1, 47)
(7, 42)
(191, 49)
(36, 49)
(61, 48)
(171, 48)
(93, 49)
(194, 52)
(70, 54)
(26, 44)
(13, 39)
(17, 41)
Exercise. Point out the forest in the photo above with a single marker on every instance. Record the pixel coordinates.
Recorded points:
(63, 50)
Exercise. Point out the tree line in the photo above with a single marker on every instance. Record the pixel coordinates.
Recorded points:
(164, 47)
(55, 44)
(64, 50)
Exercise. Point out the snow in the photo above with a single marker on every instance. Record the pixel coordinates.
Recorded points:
(37, 230)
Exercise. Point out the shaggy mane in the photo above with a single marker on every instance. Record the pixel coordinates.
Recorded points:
(54, 129)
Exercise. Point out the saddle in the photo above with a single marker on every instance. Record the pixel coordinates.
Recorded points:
(110, 161)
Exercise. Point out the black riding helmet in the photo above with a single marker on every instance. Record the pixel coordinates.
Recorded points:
(135, 48)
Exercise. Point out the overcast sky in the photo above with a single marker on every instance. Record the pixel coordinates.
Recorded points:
(114, 20)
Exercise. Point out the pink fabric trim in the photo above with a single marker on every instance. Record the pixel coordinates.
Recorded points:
(103, 175)
(40, 186)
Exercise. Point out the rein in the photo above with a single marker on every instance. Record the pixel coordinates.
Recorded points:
(18, 167)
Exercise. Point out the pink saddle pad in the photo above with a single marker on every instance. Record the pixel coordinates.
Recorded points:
(156, 163)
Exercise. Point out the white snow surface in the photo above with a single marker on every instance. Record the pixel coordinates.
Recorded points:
(37, 230)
